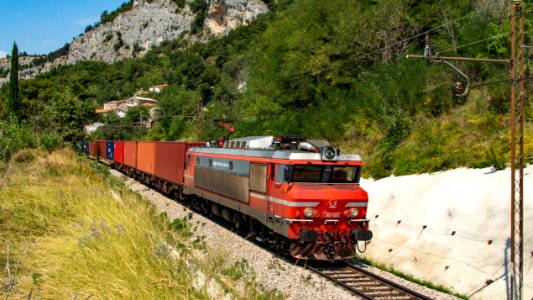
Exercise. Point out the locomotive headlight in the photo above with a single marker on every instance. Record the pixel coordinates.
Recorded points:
(351, 213)
(329, 153)
(310, 213)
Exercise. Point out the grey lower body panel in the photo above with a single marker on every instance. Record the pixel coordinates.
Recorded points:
(228, 184)
(278, 225)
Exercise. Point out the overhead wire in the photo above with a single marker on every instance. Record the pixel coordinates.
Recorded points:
(475, 42)
(454, 49)
(362, 56)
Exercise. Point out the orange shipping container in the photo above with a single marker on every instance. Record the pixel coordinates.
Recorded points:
(146, 157)
(170, 161)
(101, 148)
(93, 149)
(130, 154)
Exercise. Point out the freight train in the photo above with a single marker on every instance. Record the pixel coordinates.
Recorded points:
(301, 197)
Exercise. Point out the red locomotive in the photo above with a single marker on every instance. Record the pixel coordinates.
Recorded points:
(299, 196)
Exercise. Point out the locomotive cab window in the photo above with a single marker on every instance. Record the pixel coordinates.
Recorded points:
(307, 173)
(344, 174)
(325, 174)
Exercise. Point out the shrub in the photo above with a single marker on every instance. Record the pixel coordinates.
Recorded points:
(51, 141)
(137, 48)
(179, 3)
(25, 155)
(497, 160)
(14, 136)
(108, 37)
(199, 7)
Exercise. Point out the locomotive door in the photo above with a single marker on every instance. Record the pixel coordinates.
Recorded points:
(277, 191)
(259, 179)
(270, 194)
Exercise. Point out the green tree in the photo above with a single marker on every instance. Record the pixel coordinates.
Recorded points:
(68, 115)
(177, 113)
(13, 98)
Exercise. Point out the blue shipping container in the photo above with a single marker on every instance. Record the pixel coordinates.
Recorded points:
(110, 150)
(85, 147)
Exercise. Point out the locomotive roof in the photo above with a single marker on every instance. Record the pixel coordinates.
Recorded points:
(272, 153)
(299, 148)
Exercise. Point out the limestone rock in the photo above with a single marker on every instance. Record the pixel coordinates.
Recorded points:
(148, 24)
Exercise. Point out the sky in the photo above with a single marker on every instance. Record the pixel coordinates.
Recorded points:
(43, 26)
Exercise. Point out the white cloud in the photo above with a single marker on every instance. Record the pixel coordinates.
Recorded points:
(2, 54)
(86, 21)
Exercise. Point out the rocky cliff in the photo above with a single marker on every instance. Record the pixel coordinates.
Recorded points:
(5, 64)
(149, 23)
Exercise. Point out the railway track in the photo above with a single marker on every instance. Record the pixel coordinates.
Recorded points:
(364, 283)
(356, 279)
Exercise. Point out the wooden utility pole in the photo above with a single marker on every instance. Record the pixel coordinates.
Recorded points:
(517, 138)
(517, 155)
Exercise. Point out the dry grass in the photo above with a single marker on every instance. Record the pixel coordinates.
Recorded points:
(67, 233)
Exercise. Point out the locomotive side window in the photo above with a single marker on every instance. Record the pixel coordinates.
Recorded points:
(281, 171)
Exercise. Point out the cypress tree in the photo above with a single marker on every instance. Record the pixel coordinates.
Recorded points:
(13, 99)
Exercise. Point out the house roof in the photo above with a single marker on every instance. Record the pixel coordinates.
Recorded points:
(158, 86)
(115, 102)
(103, 111)
(144, 99)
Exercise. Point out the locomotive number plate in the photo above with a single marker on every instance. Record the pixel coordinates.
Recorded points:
(331, 214)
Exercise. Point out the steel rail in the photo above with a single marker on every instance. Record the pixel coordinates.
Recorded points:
(366, 284)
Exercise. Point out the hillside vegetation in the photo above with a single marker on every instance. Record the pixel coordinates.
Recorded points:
(70, 232)
(334, 70)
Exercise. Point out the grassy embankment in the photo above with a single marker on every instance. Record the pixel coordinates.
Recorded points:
(68, 231)
(470, 136)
